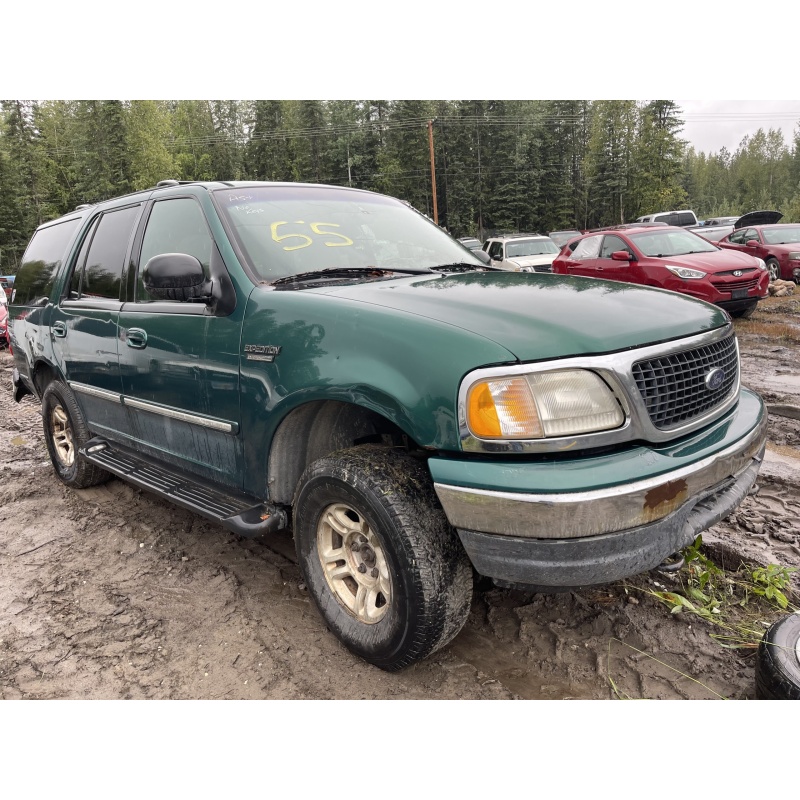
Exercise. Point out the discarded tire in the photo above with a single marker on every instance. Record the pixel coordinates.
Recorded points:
(778, 661)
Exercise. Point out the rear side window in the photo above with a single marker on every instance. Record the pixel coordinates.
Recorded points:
(587, 248)
(98, 272)
(41, 263)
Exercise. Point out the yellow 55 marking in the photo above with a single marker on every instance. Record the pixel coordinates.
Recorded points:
(305, 239)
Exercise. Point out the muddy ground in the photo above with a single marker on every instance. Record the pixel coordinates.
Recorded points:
(112, 593)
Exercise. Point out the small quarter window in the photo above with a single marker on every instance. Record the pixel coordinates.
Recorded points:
(41, 262)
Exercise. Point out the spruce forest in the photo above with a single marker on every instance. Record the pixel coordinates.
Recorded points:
(500, 165)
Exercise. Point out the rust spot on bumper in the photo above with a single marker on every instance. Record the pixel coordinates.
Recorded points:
(664, 499)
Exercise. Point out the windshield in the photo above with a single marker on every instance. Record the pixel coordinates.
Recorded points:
(530, 247)
(787, 235)
(663, 242)
(287, 230)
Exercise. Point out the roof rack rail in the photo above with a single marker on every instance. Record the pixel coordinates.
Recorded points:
(83, 206)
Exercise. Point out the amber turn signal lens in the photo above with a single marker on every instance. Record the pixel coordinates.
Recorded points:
(503, 408)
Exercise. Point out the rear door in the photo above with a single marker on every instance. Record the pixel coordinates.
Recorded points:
(85, 322)
(584, 258)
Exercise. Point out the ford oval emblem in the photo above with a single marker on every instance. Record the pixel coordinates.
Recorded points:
(715, 379)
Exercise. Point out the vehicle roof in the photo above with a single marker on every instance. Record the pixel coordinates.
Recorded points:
(504, 236)
(85, 208)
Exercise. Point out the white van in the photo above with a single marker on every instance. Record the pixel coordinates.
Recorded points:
(684, 219)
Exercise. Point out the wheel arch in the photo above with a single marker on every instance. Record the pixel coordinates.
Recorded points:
(315, 429)
(42, 374)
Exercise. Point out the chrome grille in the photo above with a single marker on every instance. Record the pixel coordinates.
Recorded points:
(673, 386)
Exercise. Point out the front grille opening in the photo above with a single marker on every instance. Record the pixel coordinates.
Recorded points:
(674, 387)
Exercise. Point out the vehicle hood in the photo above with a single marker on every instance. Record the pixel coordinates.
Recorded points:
(722, 260)
(757, 218)
(536, 316)
(533, 261)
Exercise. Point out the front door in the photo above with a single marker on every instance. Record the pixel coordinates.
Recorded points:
(179, 362)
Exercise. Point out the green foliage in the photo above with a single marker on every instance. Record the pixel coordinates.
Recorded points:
(725, 599)
(501, 165)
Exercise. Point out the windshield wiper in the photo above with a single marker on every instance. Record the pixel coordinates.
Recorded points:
(463, 266)
(341, 272)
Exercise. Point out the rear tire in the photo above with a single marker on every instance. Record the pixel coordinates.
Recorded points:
(380, 560)
(778, 661)
(65, 432)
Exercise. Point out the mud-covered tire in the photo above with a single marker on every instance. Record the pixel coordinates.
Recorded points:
(774, 269)
(388, 496)
(65, 432)
(778, 661)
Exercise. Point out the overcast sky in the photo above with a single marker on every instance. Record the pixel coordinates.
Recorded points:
(713, 124)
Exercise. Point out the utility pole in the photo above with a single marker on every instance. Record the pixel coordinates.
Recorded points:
(433, 172)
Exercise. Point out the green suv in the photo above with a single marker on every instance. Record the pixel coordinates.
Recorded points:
(327, 359)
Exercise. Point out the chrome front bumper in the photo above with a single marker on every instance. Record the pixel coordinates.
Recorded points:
(584, 514)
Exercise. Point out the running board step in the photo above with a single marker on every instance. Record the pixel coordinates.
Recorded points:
(239, 513)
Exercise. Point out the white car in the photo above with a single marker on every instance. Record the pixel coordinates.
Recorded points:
(522, 252)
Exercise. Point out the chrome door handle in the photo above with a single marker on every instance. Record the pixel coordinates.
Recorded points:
(136, 338)
(59, 329)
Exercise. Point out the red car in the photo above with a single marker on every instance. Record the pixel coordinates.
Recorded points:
(3, 322)
(777, 245)
(672, 258)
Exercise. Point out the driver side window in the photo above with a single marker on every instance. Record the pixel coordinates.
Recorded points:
(174, 226)
(611, 244)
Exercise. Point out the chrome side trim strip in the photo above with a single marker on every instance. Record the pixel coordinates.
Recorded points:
(114, 397)
(578, 514)
(194, 419)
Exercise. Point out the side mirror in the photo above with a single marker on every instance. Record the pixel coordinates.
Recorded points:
(621, 255)
(753, 243)
(176, 276)
(482, 256)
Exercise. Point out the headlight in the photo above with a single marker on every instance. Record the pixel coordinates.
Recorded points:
(686, 273)
(794, 256)
(761, 264)
(542, 405)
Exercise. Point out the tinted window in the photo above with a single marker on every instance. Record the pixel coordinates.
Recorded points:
(174, 226)
(41, 262)
(100, 276)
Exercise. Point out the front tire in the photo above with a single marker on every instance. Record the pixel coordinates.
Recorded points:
(774, 269)
(65, 432)
(381, 562)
